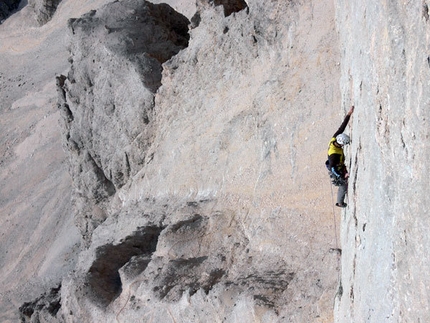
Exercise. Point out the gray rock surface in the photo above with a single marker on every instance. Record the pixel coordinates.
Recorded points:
(38, 240)
(386, 73)
(42, 309)
(197, 178)
(44, 9)
(107, 99)
(212, 223)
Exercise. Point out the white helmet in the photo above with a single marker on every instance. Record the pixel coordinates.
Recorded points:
(342, 139)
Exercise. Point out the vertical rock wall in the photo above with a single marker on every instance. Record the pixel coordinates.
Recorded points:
(386, 74)
(198, 180)
(228, 215)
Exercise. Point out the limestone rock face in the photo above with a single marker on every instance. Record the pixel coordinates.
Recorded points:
(386, 73)
(107, 99)
(44, 9)
(197, 164)
(196, 148)
(209, 218)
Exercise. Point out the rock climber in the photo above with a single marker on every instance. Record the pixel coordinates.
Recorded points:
(336, 160)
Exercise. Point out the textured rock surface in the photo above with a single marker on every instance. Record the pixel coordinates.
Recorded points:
(107, 98)
(225, 218)
(42, 309)
(222, 207)
(38, 241)
(199, 185)
(44, 9)
(386, 72)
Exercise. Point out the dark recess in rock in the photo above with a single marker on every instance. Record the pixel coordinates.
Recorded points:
(214, 277)
(184, 274)
(267, 287)
(190, 224)
(425, 11)
(231, 6)
(47, 304)
(106, 187)
(195, 20)
(44, 9)
(103, 278)
(7, 7)
(263, 300)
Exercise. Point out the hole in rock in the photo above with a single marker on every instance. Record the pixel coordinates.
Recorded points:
(104, 281)
(49, 302)
(425, 11)
(189, 225)
(231, 6)
(8, 7)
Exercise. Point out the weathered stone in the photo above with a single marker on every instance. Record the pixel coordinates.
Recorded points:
(107, 98)
(38, 240)
(385, 72)
(44, 9)
(103, 277)
(43, 309)
(216, 178)
(199, 186)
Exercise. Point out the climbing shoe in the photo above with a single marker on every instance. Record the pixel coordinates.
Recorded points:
(341, 205)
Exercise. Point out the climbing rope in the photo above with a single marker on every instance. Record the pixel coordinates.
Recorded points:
(337, 249)
(334, 217)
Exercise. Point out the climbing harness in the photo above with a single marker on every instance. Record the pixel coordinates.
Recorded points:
(336, 181)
